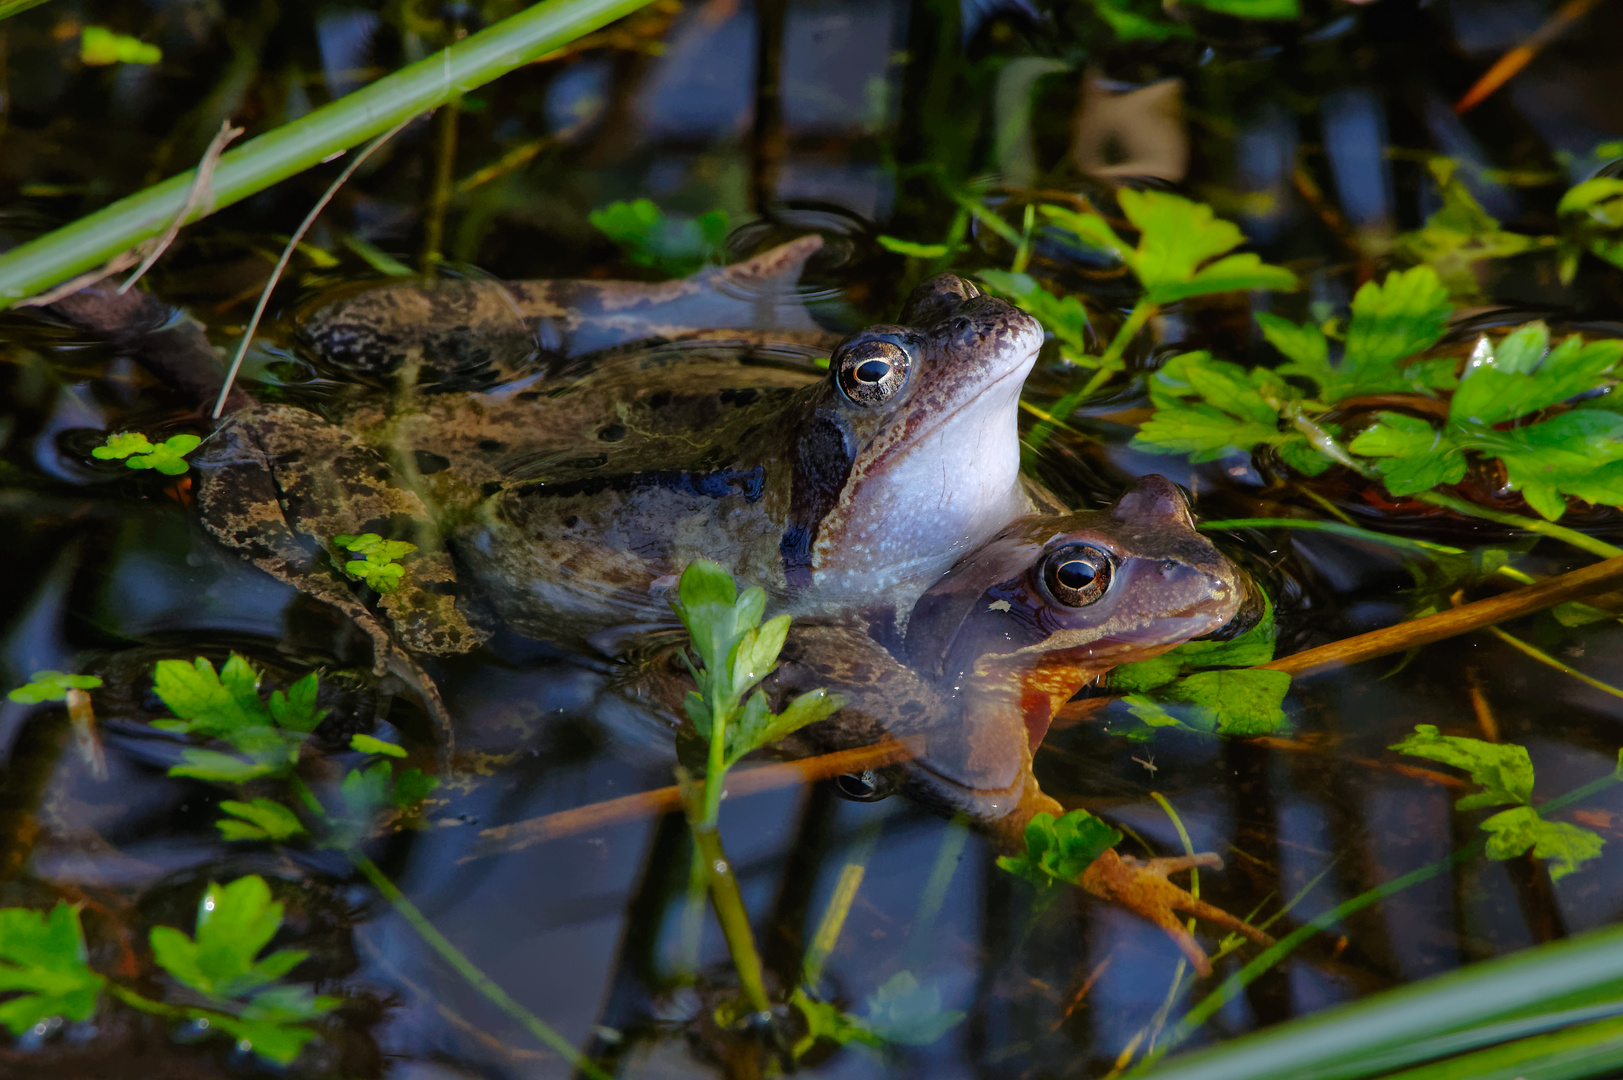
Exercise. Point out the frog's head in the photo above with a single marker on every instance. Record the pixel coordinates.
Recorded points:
(911, 454)
(1046, 606)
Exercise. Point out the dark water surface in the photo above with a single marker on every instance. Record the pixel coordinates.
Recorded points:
(851, 119)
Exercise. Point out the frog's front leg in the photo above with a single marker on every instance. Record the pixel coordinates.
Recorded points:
(1138, 885)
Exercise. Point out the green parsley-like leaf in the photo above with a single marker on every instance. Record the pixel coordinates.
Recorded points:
(221, 768)
(1511, 832)
(1303, 345)
(296, 710)
(1412, 455)
(1591, 220)
(43, 957)
(413, 786)
(1391, 321)
(1206, 408)
(262, 819)
(234, 922)
(45, 686)
(1504, 770)
(1235, 702)
(1059, 849)
(1522, 375)
(365, 792)
(1179, 245)
(1460, 234)
(271, 1023)
(226, 706)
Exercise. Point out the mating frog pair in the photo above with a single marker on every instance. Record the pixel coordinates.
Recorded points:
(951, 602)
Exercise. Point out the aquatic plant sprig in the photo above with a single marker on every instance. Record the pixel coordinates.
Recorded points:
(1184, 250)
(735, 652)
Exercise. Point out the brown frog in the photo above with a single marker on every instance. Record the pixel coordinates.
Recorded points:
(574, 500)
(988, 654)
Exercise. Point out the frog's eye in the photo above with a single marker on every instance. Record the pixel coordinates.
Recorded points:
(869, 785)
(871, 372)
(1077, 575)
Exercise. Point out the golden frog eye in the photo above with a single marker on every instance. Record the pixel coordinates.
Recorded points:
(1077, 575)
(871, 372)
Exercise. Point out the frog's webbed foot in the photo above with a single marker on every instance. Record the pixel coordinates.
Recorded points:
(1141, 886)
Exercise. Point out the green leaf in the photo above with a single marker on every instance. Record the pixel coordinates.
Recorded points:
(1058, 850)
(209, 703)
(262, 819)
(1303, 344)
(1502, 769)
(366, 744)
(1416, 456)
(1207, 408)
(904, 1013)
(234, 922)
(676, 246)
(1460, 234)
(1511, 832)
(413, 786)
(122, 445)
(43, 957)
(98, 45)
(756, 727)
(1253, 9)
(45, 686)
(296, 710)
(223, 768)
(1238, 702)
(366, 792)
(1392, 321)
(1176, 236)
(1255, 646)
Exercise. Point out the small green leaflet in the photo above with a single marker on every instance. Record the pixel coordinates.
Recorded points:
(168, 457)
(261, 819)
(675, 246)
(1460, 234)
(1511, 832)
(1181, 249)
(366, 744)
(43, 957)
(1059, 849)
(912, 250)
(1591, 220)
(1206, 408)
(45, 686)
(1505, 774)
(1503, 770)
(377, 566)
(1176, 689)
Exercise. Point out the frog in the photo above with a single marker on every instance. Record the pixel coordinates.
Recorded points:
(969, 678)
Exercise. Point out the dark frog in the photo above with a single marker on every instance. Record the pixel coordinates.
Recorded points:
(573, 500)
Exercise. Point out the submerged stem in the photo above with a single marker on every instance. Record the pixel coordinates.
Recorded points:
(469, 971)
(1109, 363)
(1577, 539)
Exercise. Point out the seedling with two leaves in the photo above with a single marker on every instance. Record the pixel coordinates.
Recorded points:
(139, 452)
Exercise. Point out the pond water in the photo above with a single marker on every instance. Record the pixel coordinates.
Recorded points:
(851, 120)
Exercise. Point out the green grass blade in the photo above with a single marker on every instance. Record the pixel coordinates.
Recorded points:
(1336, 1042)
(294, 147)
(8, 8)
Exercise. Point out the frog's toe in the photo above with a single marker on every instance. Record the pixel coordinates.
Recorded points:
(1141, 886)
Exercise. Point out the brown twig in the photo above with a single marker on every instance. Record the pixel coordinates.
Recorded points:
(645, 804)
(201, 191)
(1455, 621)
(1508, 65)
(287, 253)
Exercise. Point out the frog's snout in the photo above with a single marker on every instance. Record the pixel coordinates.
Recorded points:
(1253, 605)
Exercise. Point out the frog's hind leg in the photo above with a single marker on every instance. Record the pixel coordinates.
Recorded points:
(277, 484)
